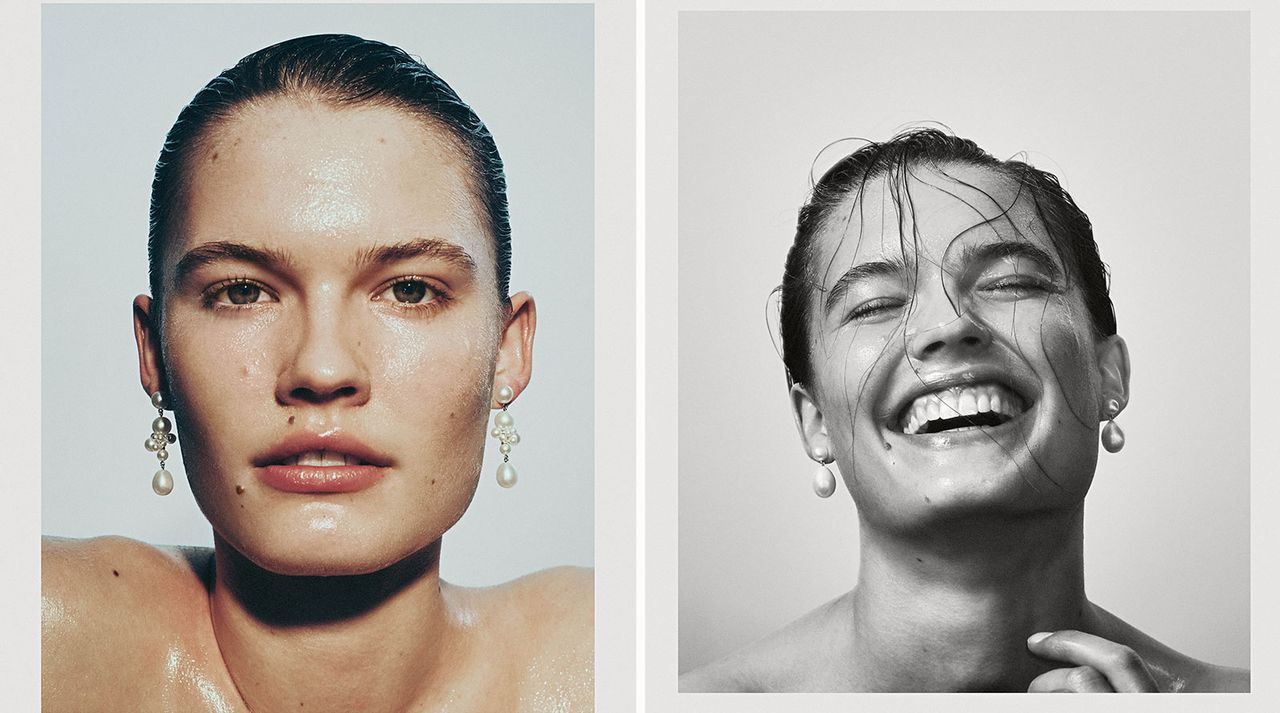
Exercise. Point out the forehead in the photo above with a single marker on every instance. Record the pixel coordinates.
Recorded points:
(925, 215)
(303, 175)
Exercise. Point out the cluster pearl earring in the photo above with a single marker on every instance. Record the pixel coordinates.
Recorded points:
(161, 437)
(824, 481)
(504, 429)
(1112, 436)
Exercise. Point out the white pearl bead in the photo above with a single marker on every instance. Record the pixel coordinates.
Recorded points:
(506, 475)
(1112, 437)
(161, 425)
(503, 419)
(162, 483)
(505, 394)
(504, 448)
(515, 438)
(494, 433)
(824, 482)
(152, 445)
(162, 454)
(158, 400)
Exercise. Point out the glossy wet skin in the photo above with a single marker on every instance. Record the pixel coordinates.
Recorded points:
(953, 288)
(365, 305)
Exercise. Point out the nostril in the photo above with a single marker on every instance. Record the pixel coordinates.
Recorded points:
(309, 395)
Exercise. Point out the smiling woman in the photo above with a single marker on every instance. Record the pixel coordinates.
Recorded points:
(950, 345)
(330, 324)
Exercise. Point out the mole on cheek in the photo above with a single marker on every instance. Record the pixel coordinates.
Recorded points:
(291, 420)
(239, 490)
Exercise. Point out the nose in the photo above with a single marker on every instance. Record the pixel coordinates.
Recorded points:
(326, 365)
(945, 332)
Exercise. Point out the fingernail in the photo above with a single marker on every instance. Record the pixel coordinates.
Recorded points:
(1038, 637)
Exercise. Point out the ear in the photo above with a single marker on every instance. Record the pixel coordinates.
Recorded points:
(150, 363)
(1113, 364)
(808, 416)
(515, 347)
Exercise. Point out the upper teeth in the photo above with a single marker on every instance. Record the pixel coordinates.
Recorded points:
(322, 458)
(960, 401)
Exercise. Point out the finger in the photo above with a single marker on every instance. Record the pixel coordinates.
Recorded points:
(1122, 667)
(1081, 679)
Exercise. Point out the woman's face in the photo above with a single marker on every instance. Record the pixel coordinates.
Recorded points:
(956, 370)
(331, 327)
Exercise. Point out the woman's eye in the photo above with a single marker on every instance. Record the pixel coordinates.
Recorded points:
(243, 294)
(238, 294)
(411, 292)
(876, 308)
(1017, 284)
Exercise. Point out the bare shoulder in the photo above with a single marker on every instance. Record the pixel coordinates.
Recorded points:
(103, 597)
(547, 620)
(1174, 671)
(780, 661)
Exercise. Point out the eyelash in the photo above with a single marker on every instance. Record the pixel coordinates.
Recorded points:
(210, 296)
(436, 298)
(874, 307)
(1020, 283)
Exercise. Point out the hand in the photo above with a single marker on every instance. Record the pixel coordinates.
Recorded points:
(1099, 666)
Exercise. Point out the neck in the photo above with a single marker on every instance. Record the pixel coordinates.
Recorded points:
(318, 643)
(951, 609)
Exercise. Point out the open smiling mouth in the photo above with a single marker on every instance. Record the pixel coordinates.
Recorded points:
(961, 408)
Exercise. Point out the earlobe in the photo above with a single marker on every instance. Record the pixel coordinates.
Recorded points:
(1113, 365)
(515, 348)
(150, 362)
(810, 424)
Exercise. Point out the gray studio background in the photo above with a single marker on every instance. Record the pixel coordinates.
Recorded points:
(114, 79)
(1144, 116)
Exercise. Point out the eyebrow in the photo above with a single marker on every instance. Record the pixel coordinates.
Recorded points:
(893, 267)
(226, 250)
(1002, 249)
(444, 250)
(969, 255)
(274, 259)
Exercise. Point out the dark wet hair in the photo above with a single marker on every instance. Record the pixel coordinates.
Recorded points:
(342, 71)
(1068, 226)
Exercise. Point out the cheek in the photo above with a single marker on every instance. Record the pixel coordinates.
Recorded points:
(851, 367)
(1056, 337)
(457, 357)
(204, 362)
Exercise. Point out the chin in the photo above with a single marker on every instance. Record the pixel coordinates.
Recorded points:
(330, 549)
(923, 503)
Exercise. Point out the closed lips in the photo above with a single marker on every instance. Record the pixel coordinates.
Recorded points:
(961, 408)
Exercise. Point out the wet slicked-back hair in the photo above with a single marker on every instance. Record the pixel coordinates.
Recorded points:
(1068, 227)
(340, 71)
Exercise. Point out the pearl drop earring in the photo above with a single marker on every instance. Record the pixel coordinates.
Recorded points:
(161, 437)
(824, 481)
(1112, 436)
(504, 429)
